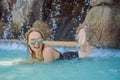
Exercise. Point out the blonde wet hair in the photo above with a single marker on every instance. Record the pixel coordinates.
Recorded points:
(40, 27)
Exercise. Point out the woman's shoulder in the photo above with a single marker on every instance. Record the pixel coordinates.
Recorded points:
(49, 49)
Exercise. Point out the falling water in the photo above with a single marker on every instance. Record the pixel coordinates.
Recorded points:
(19, 15)
(57, 5)
(6, 33)
(41, 9)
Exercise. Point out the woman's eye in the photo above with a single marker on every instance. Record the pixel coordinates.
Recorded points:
(40, 41)
(32, 42)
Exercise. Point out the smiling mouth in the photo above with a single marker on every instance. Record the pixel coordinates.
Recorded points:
(37, 47)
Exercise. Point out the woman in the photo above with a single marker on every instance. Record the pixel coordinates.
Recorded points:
(43, 52)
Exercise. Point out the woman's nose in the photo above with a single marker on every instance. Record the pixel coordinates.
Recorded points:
(36, 43)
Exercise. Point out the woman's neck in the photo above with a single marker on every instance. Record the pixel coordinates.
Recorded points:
(39, 53)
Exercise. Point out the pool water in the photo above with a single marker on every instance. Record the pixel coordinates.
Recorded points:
(103, 64)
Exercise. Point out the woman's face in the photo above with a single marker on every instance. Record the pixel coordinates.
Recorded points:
(35, 41)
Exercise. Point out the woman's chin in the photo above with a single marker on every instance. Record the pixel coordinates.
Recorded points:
(36, 49)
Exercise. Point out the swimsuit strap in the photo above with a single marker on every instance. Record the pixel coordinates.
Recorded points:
(61, 55)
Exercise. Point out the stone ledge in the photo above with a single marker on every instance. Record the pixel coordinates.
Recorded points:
(51, 43)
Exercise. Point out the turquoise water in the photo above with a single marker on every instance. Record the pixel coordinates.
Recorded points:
(103, 64)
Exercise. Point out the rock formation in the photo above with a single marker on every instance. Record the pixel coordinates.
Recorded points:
(62, 15)
(103, 23)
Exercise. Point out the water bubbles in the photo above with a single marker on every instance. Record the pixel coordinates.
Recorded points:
(40, 9)
(9, 18)
(54, 27)
(76, 19)
(21, 10)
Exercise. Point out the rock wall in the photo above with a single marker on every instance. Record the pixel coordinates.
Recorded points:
(62, 15)
(103, 23)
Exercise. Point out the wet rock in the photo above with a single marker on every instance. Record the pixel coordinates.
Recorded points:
(102, 23)
(0, 10)
(21, 13)
(64, 17)
(1, 28)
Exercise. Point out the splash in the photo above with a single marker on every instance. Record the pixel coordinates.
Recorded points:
(10, 62)
(7, 45)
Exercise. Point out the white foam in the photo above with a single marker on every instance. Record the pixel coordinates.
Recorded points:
(105, 52)
(13, 46)
(10, 62)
